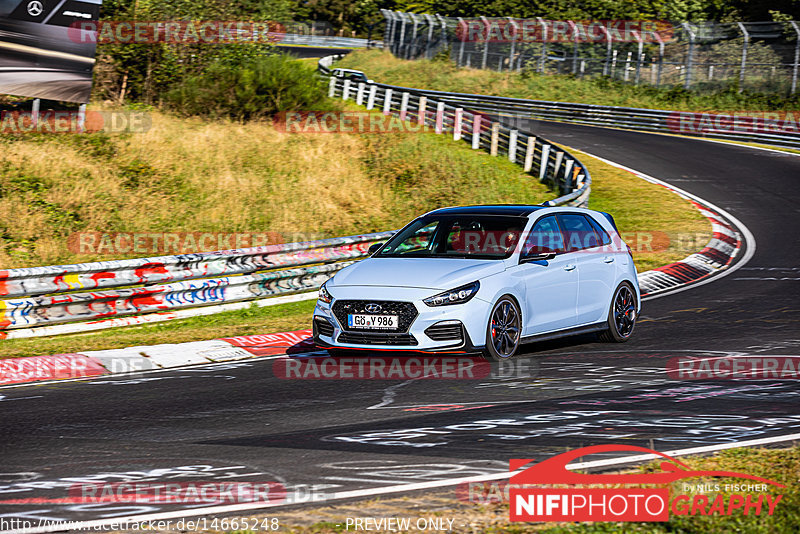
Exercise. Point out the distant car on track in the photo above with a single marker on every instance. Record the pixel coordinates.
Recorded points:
(352, 75)
(484, 279)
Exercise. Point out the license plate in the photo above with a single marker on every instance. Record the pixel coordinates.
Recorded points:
(378, 322)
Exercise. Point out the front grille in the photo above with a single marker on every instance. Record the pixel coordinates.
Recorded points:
(445, 331)
(371, 338)
(323, 327)
(406, 312)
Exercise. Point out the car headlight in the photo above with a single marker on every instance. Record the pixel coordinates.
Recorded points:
(324, 296)
(459, 295)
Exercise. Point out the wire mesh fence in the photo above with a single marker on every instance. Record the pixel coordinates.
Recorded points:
(757, 56)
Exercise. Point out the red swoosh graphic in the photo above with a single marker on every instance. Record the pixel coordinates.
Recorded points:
(554, 470)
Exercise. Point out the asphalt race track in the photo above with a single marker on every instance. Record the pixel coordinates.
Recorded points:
(238, 422)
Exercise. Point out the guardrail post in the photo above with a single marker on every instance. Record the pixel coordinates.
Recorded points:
(360, 94)
(529, 154)
(567, 177)
(495, 138)
(332, 87)
(423, 102)
(512, 146)
(543, 164)
(373, 89)
(439, 116)
(476, 132)
(557, 166)
(459, 117)
(404, 105)
(387, 102)
(346, 90)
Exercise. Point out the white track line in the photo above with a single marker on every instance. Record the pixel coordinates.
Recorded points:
(399, 488)
(749, 239)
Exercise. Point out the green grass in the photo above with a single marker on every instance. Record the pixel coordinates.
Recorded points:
(445, 76)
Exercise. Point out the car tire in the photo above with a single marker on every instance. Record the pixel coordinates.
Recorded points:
(503, 331)
(622, 315)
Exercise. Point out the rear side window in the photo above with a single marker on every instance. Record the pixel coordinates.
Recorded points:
(605, 239)
(577, 231)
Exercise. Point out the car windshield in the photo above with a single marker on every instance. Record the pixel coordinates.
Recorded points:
(489, 237)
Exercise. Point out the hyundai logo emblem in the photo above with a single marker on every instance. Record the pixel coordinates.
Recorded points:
(373, 308)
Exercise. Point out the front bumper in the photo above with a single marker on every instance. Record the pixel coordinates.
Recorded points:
(472, 316)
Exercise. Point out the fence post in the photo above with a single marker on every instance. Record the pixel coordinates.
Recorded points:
(638, 57)
(373, 89)
(401, 44)
(529, 153)
(360, 93)
(476, 132)
(543, 58)
(346, 90)
(796, 57)
(404, 105)
(687, 79)
(413, 37)
(746, 35)
(660, 59)
(389, 37)
(485, 42)
(387, 102)
(495, 138)
(439, 117)
(332, 87)
(429, 40)
(459, 117)
(575, 34)
(464, 32)
(421, 109)
(515, 27)
(512, 146)
(443, 25)
(607, 62)
(543, 164)
(627, 66)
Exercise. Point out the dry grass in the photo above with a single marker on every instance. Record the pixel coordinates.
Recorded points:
(193, 176)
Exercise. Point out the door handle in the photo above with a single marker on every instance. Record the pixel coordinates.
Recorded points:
(608, 259)
(570, 267)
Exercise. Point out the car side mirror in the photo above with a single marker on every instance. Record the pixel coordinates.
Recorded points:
(538, 257)
(373, 248)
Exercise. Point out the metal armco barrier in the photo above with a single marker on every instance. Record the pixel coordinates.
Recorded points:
(81, 292)
(731, 126)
